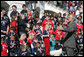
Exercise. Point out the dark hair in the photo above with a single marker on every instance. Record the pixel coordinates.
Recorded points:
(2, 38)
(38, 24)
(2, 9)
(23, 5)
(14, 6)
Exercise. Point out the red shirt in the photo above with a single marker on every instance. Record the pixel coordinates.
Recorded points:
(45, 22)
(30, 15)
(58, 34)
(14, 23)
(4, 50)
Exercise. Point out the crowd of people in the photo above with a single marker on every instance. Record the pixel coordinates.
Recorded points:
(23, 35)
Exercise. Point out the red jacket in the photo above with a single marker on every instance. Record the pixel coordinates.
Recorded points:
(58, 34)
(4, 50)
(46, 22)
(14, 23)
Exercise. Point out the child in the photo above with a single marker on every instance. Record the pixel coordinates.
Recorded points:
(39, 51)
(23, 51)
(46, 22)
(59, 35)
(14, 23)
(4, 48)
(51, 31)
(12, 32)
(38, 32)
(22, 39)
(13, 46)
(22, 24)
(53, 51)
(30, 40)
(46, 40)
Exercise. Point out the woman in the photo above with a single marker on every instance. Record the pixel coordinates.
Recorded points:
(46, 40)
(14, 23)
(29, 16)
(22, 24)
(22, 39)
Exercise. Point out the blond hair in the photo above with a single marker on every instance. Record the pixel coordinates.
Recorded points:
(47, 27)
(22, 36)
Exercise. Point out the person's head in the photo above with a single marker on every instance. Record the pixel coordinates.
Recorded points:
(14, 7)
(59, 14)
(24, 7)
(45, 14)
(60, 22)
(23, 36)
(73, 12)
(2, 40)
(3, 11)
(29, 11)
(71, 18)
(79, 21)
(73, 4)
(80, 17)
(47, 27)
(50, 26)
(78, 7)
(54, 15)
(47, 17)
(37, 26)
(12, 38)
(65, 23)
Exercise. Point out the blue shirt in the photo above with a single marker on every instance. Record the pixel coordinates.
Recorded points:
(53, 45)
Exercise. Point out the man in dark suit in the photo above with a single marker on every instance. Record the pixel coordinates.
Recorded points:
(69, 40)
